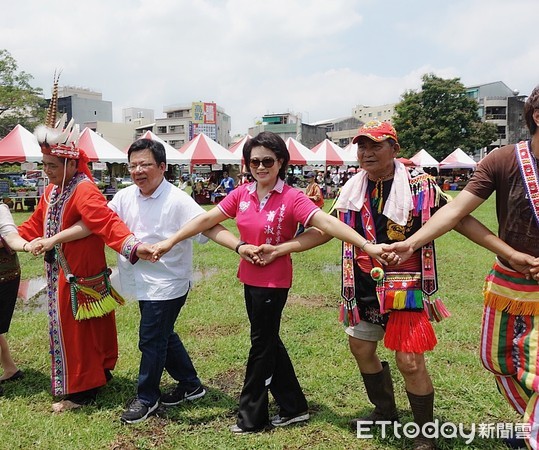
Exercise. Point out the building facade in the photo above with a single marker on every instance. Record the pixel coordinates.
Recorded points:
(340, 131)
(137, 116)
(290, 125)
(184, 122)
(503, 107)
(383, 113)
(83, 105)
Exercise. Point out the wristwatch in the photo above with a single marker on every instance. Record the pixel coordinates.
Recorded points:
(240, 243)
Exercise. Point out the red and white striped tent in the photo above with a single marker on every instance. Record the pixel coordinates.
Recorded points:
(299, 154)
(351, 153)
(173, 155)
(99, 149)
(237, 148)
(20, 145)
(333, 155)
(458, 160)
(423, 159)
(203, 150)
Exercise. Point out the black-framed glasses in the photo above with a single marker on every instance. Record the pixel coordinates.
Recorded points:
(143, 166)
(266, 162)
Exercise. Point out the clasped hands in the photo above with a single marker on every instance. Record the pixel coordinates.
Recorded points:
(39, 246)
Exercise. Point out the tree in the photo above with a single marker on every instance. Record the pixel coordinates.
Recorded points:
(20, 103)
(440, 118)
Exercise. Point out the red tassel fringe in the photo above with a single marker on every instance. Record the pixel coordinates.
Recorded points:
(410, 332)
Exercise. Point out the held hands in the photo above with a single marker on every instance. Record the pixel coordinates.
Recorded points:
(145, 251)
(248, 252)
(159, 249)
(265, 254)
(403, 250)
(39, 246)
(382, 254)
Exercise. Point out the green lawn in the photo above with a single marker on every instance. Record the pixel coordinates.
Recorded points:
(214, 327)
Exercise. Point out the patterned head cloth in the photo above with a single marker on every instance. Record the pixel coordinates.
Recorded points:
(377, 131)
(57, 139)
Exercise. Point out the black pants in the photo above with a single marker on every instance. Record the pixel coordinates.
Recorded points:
(8, 298)
(268, 366)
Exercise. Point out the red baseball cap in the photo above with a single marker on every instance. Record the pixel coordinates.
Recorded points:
(377, 131)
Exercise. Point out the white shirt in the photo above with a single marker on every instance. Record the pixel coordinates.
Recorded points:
(153, 219)
(6, 220)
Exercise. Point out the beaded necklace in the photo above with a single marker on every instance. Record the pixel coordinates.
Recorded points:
(377, 194)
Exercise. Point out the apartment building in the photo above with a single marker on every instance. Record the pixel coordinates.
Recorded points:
(183, 122)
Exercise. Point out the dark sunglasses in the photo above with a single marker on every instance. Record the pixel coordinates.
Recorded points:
(266, 162)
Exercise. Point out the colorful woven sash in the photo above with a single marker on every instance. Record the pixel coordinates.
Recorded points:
(528, 169)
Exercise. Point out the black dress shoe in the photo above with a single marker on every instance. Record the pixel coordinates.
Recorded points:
(16, 376)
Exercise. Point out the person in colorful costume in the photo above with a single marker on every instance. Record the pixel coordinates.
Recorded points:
(82, 352)
(267, 211)
(511, 294)
(385, 204)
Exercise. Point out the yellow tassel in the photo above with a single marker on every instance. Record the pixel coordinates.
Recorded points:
(99, 308)
(400, 300)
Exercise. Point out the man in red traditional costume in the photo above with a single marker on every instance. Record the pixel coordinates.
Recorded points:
(83, 352)
(509, 340)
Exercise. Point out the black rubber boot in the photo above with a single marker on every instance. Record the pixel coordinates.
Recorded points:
(379, 387)
(423, 410)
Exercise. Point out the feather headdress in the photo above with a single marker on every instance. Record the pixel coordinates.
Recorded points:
(55, 138)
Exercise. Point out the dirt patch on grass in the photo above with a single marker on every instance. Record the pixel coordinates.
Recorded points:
(313, 301)
(229, 382)
(152, 435)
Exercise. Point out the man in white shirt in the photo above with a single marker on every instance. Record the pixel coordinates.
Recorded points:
(154, 209)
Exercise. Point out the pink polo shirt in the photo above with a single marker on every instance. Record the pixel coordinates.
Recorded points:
(272, 221)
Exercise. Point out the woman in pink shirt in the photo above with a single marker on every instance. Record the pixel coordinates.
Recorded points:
(267, 211)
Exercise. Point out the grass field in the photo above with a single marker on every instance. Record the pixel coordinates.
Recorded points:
(215, 330)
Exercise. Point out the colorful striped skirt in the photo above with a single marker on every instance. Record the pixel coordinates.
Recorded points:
(510, 330)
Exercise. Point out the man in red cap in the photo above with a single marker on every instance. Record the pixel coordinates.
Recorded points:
(385, 204)
(83, 352)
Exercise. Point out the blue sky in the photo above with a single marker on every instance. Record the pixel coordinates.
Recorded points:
(319, 58)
